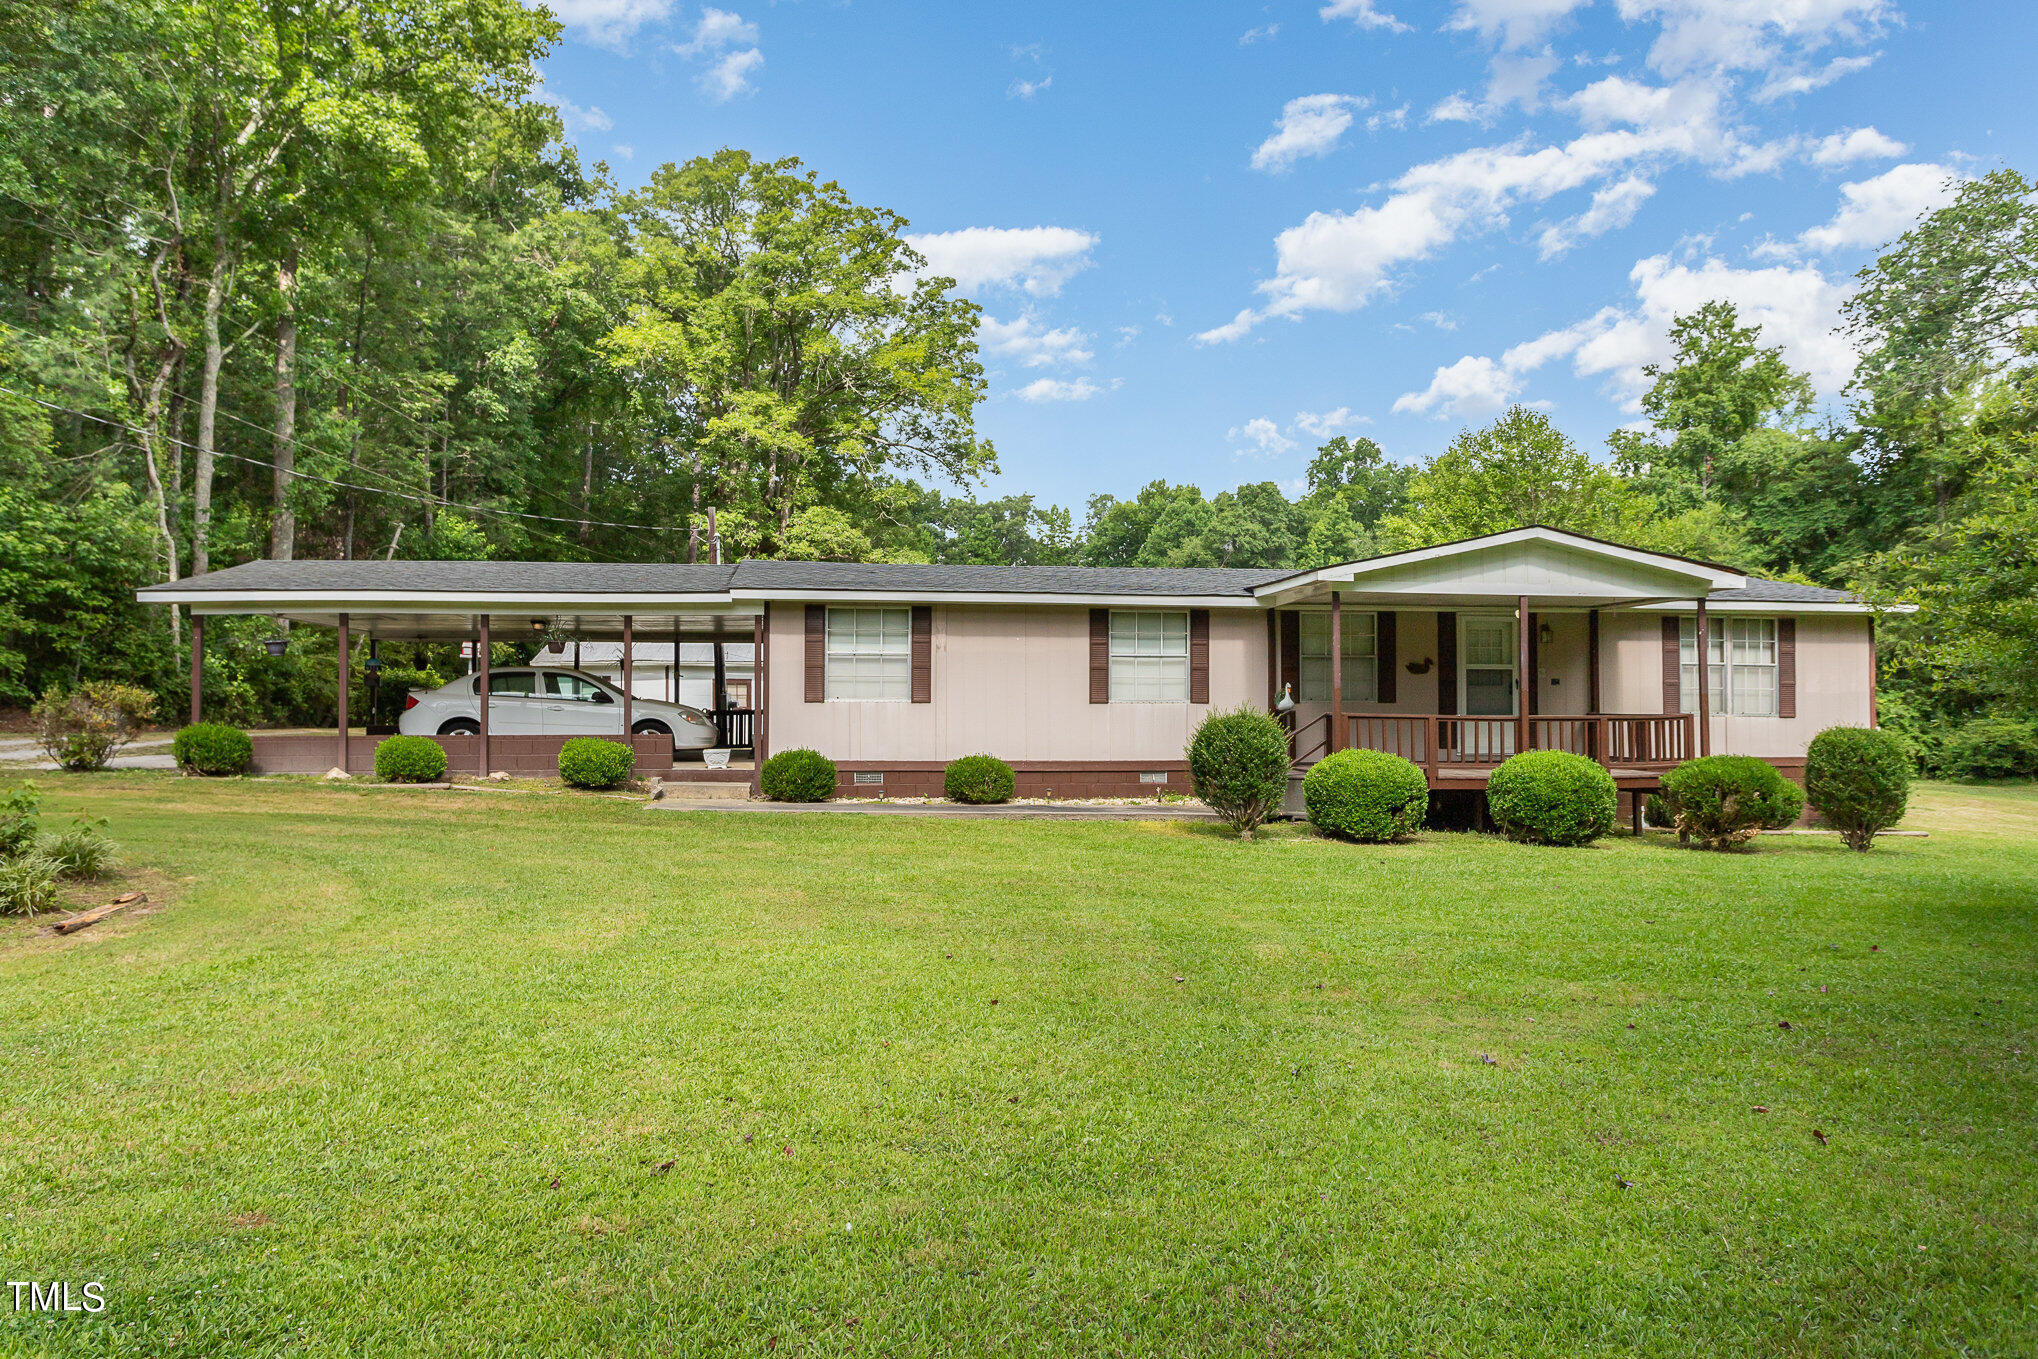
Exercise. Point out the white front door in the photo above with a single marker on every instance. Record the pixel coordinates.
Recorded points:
(1486, 678)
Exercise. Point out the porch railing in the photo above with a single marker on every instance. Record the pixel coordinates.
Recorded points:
(736, 727)
(1446, 742)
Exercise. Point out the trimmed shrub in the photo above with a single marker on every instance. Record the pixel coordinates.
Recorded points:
(1723, 801)
(591, 762)
(213, 748)
(798, 776)
(1238, 765)
(978, 779)
(1859, 780)
(410, 759)
(82, 728)
(19, 812)
(28, 884)
(1552, 797)
(1991, 748)
(79, 851)
(1365, 795)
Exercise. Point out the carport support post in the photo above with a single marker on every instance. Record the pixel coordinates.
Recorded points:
(481, 653)
(197, 663)
(629, 674)
(1524, 680)
(341, 705)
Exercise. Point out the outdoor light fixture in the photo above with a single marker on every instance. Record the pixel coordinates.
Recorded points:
(1543, 633)
(538, 626)
(276, 646)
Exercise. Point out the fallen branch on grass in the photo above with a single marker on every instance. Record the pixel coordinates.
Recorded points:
(72, 924)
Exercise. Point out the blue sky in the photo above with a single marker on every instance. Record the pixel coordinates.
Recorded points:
(1208, 236)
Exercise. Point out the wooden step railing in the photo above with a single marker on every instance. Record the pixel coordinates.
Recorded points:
(1439, 741)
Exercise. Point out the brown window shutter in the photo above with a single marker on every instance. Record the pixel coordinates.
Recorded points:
(817, 653)
(1100, 655)
(1447, 664)
(923, 653)
(1291, 651)
(1786, 667)
(1383, 636)
(1199, 655)
(1673, 665)
(1529, 683)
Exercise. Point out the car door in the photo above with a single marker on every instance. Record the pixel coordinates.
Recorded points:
(513, 705)
(576, 705)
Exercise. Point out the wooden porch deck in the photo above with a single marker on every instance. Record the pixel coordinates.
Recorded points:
(1458, 752)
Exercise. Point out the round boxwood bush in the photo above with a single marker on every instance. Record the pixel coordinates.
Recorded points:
(1859, 780)
(410, 759)
(1238, 765)
(1722, 801)
(978, 779)
(1365, 795)
(213, 748)
(591, 762)
(798, 776)
(1551, 797)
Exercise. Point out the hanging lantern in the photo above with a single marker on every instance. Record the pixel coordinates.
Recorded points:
(276, 646)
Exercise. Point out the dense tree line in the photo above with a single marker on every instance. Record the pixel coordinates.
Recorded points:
(328, 280)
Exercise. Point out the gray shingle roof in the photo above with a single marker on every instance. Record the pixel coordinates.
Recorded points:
(464, 577)
(1018, 580)
(1782, 592)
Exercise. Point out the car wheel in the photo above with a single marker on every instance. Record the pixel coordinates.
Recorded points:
(460, 726)
(650, 728)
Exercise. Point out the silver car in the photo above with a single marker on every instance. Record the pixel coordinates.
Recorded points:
(527, 702)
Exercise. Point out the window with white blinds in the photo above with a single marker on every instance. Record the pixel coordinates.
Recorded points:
(870, 655)
(1149, 656)
(1361, 638)
(1741, 665)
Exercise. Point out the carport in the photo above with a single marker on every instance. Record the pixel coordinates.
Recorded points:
(481, 603)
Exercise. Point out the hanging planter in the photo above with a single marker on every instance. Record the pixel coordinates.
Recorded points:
(276, 646)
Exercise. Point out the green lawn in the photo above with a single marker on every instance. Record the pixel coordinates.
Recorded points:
(399, 1073)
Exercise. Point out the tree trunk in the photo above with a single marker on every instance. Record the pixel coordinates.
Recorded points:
(587, 483)
(283, 446)
(208, 419)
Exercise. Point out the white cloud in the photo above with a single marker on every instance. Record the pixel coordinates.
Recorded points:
(1471, 388)
(1861, 143)
(1052, 389)
(624, 151)
(576, 118)
(1796, 306)
(730, 40)
(1032, 344)
(1323, 424)
(1261, 435)
(730, 75)
(1876, 211)
(1262, 34)
(1394, 118)
(1126, 335)
(1612, 207)
(1441, 320)
(1752, 35)
(1309, 126)
(1511, 23)
(1453, 108)
(718, 30)
(609, 23)
(1026, 89)
(1364, 13)
(1510, 81)
(1788, 81)
(1037, 259)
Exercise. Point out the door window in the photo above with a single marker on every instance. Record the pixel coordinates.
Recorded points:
(576, 689)
(1487, 657)
(511, 684)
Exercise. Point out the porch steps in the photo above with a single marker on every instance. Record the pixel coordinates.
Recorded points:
(707, 785)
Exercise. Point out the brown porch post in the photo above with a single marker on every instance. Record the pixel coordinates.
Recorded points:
(1273, 661)
(760, 697)
(629, 674)
(481, 654)
(1523, 680)
(1337, 673)
(1704, 683)
(197, 663)
(1592, 662)
(341, 706)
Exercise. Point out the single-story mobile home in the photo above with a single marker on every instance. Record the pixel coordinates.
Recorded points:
(1090, 680)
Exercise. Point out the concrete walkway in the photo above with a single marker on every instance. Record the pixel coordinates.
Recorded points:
(150, 752)
(1004, 812)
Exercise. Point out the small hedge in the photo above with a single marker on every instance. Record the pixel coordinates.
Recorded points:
(213, 748)
(1365, 795)
(1723, 801)
(410, 759)
(798, 776)
(978, 779)
(1859, 780)
(1552, 797)
(1991, 748)
(1238, 765)
(591, 762)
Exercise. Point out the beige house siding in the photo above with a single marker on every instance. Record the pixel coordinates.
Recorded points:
(1013, 681)
(1834, 681)
(1415, 640)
